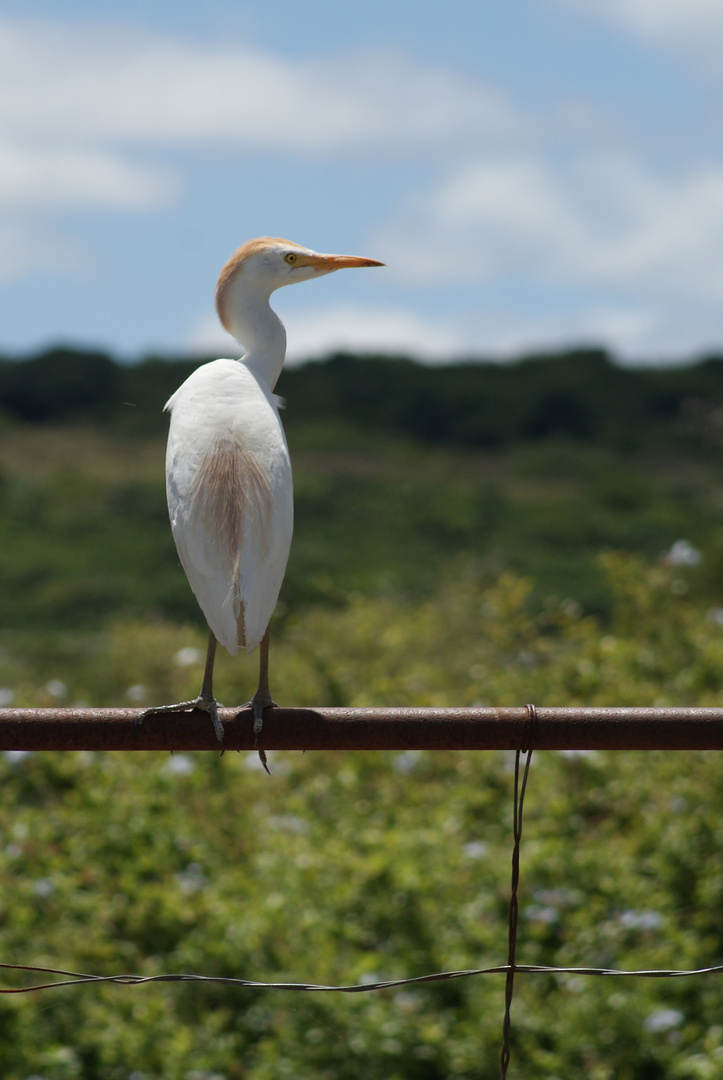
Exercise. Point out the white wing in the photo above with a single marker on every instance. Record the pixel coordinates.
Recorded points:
(228, 481)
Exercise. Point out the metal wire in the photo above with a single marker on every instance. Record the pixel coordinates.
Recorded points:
(518, 802)
(76, 978)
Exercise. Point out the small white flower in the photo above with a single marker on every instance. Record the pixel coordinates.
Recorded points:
(179, 765)
(641, 920)
(288, 823)
(188, 655)
(407, 760)
(137, 692)
(192, 879)
(683, 553)
(537, 913)
(663, 1020)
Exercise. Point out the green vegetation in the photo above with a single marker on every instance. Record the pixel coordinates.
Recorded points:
(399, 468)
(342, 867)
(450, 560)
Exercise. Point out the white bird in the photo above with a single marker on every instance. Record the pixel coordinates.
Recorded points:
(228, 474)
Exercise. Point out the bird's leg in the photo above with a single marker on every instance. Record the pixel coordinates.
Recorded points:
(262, 698)
(205, 699)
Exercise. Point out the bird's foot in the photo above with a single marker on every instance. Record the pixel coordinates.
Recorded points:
(260, 701)
(207, 705)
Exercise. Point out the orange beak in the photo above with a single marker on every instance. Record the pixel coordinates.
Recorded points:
(336, 262)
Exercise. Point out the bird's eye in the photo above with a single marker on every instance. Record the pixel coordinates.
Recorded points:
(290, 258)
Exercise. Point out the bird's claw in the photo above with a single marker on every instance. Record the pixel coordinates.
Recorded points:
(257, 704)
(207, 705)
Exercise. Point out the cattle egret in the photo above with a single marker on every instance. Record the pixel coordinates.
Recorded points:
(228, 475)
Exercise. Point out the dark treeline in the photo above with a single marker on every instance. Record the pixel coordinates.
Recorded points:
(580, 394)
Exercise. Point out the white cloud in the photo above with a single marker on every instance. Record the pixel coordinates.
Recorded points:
(45, 177)
(628, 331)
(24, 247)
(362, 329)
(321, 331)
(691, 27)
(663, 20)
(482, 220)
(38, 181)
(600, 221)
(138, 87)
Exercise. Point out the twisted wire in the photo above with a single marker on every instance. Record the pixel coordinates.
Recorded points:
(77, 978)
(518, 802)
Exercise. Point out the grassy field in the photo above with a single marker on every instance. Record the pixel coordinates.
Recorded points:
(84, 536)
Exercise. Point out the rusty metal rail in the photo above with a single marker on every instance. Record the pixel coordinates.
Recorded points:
(370, 729)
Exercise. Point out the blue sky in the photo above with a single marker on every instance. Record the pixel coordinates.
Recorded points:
(534, 173)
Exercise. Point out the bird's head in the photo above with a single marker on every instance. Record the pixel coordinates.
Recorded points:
(261, 266)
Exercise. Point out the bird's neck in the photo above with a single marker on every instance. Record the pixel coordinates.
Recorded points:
(261, 331)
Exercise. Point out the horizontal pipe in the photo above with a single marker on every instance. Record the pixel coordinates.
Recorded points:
(369, 729)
